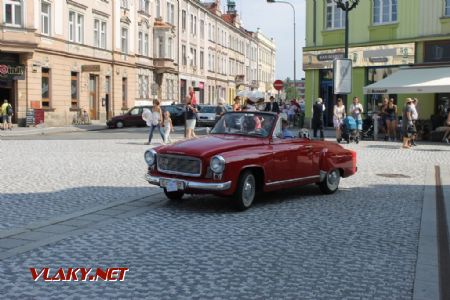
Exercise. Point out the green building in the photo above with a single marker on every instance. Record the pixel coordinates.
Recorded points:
(385, 36)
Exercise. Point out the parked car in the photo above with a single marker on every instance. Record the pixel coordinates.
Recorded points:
(206, 115)
(134, 116)
(246, 154)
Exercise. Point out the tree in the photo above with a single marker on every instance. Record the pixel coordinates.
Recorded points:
(290, 90)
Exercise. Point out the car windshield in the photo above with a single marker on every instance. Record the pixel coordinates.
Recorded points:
(245, 123)
(207, 109)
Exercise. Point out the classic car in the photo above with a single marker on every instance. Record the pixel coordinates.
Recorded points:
(244, 154)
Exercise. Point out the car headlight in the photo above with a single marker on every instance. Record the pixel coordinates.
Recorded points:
(217, 164)
(150, 157)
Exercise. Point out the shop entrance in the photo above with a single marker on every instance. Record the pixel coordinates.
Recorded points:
(7, 92)
(328, 97)
(93, 97)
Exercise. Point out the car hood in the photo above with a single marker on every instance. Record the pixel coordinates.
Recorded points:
(210, 145)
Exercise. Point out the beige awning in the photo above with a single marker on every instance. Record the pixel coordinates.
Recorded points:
(413, 81)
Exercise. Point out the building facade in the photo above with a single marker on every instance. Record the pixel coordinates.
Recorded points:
(384, 35)
(106, 56)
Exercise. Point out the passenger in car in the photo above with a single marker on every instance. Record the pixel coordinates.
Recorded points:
(286, 133)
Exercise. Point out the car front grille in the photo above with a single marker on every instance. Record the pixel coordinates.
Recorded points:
(177, 164)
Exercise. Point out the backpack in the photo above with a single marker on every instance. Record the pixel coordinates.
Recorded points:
(9, 110)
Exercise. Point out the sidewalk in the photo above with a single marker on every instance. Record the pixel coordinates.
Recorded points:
(43, 129)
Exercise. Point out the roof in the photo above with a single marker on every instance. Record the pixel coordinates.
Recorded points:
(413, 81)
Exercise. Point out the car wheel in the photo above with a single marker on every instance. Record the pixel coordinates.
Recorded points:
(174, 196)
(119, 124)
(331, 182)
(246, 191)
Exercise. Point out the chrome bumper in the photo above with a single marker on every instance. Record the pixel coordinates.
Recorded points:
(219, 186)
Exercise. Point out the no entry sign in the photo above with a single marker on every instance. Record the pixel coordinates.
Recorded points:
(278, 85)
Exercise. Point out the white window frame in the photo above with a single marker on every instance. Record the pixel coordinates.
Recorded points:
(183, 55)
(15, 4)
(46, 15)
(379, 13)
(124, 39)
(202, 59)
(144, 6)
(158, 8)
(172, 14)
(140, 42)
(76, 27)
(124, 4)
(103, 34)
(146, 41)
(183, 20)
(447, 8)
(336, 13)
(169, 47)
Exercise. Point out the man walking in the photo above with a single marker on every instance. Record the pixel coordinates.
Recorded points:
(317, 119)
(7, 113)
(415, 117)
(272, 106)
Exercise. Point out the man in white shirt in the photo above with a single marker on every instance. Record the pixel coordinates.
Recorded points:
(415, 117)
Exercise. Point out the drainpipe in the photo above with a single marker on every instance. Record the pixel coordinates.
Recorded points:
(314, 43)
(112, 83)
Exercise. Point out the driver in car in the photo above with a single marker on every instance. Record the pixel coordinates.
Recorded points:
(285, 132)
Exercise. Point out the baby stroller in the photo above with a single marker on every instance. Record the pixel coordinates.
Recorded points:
(367, 129)
(349, 130)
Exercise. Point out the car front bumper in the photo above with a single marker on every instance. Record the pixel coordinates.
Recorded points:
(188, 184)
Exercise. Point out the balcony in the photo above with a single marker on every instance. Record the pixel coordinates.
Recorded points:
(164, 65)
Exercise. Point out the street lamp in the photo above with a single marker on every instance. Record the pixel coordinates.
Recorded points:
(346, 6)
(295, 51)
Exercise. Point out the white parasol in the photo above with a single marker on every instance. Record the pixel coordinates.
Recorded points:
(147, 116)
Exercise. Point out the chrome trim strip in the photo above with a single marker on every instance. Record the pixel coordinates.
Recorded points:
(179, 173)
(219, 186)
(292, 180)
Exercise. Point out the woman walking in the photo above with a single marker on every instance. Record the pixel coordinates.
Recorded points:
(191, 118)
(356, 110)
(391, 120)
(156, 121)
(338, 118)
(383, 117)
(407, 123)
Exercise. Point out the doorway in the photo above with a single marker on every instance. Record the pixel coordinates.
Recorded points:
(93, 97)
(328, 97)
(7, 92)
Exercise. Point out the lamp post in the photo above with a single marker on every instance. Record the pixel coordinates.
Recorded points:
(295, 49)
(346, 6)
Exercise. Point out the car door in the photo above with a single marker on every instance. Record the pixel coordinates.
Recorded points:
(292, 159)
(134, 116)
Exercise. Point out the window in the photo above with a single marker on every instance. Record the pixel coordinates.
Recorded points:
(103, 35)
(195, 25)
(209, 31)
(169, 48)
(447, 8)
(168, 13)
(124, 4)
(144, 6)
(74, 89)
(13, 12)
(335, 16)
(124, 40)
(45, 17)
(158, 8)
(45, 88)
(384, 11)
(192, 24)
(172, 14)
(183, 20)
(124, 93)
(183, 55)
(140, 42)
(146, 44)
(143, 87)
(202, 29)
(161, 47)
(202, 60)
(76, 27)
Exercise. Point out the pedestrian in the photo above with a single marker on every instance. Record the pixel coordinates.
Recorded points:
(168, 127)
(220, 109)
(6, 113)
(383, 114)
(272, 106)
(356, 110)
(447, 131)
(415, 117)
(391, 120)
(191, 118)
(237, 104)
(192, 96)
(407, 123)
(293, 108)
(156, 121)
(301, 112)
(338, 118)
(317, 119)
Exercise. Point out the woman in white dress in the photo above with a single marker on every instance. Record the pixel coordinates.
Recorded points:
(338, 118)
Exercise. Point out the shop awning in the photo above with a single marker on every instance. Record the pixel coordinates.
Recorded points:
(413, 81)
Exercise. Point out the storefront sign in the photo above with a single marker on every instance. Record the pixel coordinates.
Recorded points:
(14, 72)
(382, 55)
(90, 68)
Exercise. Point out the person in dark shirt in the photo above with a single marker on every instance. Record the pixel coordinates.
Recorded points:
(272, 105)
(317, 119)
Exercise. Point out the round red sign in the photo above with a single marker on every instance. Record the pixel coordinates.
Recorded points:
(278, 84)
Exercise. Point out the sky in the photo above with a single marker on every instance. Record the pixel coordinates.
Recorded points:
(276, 20)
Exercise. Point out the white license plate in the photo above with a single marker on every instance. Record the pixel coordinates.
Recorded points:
(172, 185)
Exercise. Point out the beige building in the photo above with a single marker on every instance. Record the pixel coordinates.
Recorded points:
(105, 56)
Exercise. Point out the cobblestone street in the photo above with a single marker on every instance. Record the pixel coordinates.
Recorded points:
(361, 242)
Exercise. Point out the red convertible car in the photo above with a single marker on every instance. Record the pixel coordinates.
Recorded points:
(246, 153)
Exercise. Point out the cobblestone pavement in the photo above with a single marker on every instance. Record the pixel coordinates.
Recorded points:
(294, 244)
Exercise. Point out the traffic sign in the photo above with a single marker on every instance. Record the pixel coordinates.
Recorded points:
(278, 85)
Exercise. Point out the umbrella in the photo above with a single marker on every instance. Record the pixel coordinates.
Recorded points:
(256, 95)
(244, 93)
(147, 116)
